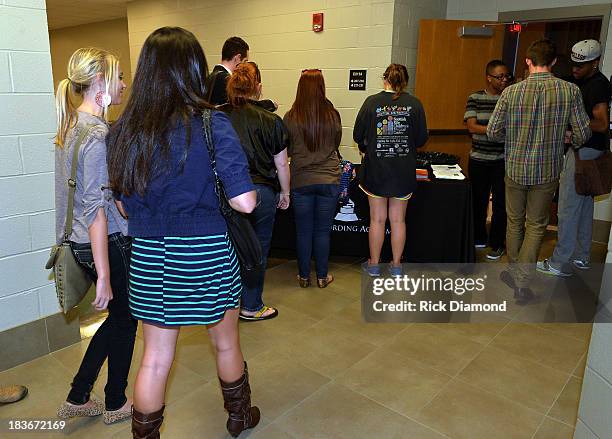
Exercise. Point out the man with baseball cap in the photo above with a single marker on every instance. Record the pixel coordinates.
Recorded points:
(576, 211)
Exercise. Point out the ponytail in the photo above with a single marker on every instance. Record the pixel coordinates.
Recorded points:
(83, 67)
(66, 111)
(397, 76)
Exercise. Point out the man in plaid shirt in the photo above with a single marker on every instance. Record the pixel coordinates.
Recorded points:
(532, 117)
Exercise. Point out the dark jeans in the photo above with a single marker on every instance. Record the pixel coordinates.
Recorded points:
(315, 207)
(488, 178)
(114, 339)
(262, 220)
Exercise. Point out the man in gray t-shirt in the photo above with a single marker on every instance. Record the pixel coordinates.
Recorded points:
(486, 165)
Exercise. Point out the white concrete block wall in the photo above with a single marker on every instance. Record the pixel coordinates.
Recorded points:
(407, 15)
(488, 10)
(358, 35)
(27, 125)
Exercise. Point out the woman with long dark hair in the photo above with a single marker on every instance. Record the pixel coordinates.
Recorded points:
(264, 139)
(315, 132)
(184, 270)
(97, 232)
(390, 126)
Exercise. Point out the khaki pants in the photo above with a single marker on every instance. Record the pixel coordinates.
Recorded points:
(528, 210)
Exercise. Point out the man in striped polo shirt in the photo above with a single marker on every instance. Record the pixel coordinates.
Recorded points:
(486, 165)
(532, 117)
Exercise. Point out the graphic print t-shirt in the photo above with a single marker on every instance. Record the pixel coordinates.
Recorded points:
(392, 130)
(388, 132)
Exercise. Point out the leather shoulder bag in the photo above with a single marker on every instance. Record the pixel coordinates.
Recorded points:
(239, 228)
(594, 177)
(71, 280)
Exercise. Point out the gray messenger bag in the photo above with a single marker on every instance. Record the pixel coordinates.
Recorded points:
(71, 280)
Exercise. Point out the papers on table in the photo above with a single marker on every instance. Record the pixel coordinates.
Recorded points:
(449, 172)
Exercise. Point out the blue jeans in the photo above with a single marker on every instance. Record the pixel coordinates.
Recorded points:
(314, 207)
(575, 230)
(262, 220)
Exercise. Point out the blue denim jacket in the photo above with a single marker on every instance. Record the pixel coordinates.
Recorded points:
(181, 201)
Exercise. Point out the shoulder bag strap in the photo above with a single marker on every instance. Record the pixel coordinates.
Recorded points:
(72, 181)
(207, 126)
(212, 86)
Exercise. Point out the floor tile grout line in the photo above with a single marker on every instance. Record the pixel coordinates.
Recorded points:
(393, 410)
(557, 399)
(571, 337)
(534, 361)
(585, 354)
(463, 368)
(300, 403)
(538, 427)
(467, 383)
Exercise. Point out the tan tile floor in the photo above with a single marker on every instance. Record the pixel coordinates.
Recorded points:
(318, 371)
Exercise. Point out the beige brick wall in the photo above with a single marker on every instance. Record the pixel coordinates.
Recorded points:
(358, 35)
(406, 17)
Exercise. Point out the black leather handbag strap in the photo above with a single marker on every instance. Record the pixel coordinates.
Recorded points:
(72, 181)
(211, 85)
(224, 206)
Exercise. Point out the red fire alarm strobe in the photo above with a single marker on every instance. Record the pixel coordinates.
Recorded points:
(317, 22)
(515, 28)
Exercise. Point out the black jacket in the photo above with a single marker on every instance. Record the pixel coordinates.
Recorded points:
(215, 86)
(262, 135)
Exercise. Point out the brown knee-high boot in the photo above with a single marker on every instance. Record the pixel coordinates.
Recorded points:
(146, 425)
(237, 398)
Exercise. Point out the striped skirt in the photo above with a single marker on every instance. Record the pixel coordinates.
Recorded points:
(183, 280)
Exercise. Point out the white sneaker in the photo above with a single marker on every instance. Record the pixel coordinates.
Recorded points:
(581, 265)
(545, 268)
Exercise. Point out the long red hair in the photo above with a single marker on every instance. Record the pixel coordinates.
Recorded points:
(312, 112)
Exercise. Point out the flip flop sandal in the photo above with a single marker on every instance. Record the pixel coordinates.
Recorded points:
(259, 315)
(303, 281)
(322, 283)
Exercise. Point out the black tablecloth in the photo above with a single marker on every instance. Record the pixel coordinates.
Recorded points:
(438, 225)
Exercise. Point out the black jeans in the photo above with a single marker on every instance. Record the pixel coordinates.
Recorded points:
(488, 178)
(115, 338)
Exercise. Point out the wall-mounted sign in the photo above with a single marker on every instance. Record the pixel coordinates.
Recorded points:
(357, 79)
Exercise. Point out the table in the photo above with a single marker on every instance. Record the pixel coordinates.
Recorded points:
(439, 225)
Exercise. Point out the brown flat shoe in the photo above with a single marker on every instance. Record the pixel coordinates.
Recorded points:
(303, 281)
(322, 283)
(9, 394)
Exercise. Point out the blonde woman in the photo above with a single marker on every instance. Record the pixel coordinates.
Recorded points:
(98, 230)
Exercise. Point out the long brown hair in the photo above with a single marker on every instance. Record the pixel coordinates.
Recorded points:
(314, 114)
(397, 76)
(168, 88)
(243, 84)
